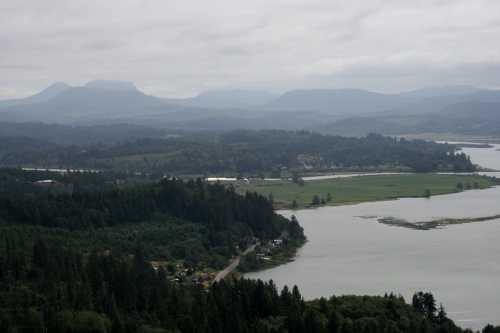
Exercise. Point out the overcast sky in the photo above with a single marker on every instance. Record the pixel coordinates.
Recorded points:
(182, 47)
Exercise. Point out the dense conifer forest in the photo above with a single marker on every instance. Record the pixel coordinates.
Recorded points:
(188, 220)
(52, 289)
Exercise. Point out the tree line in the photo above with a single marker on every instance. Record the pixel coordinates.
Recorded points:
(241, 152)
(217, 207)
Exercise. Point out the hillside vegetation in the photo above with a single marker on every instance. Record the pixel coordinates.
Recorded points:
(241, 152)
(175, 220)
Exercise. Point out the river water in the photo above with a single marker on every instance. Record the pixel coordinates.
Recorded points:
(349, 252)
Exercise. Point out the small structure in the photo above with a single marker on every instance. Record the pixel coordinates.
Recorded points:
(54, 186)
(47, 183)
(277, 242)
(158, 264)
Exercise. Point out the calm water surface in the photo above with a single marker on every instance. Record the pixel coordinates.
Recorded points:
(349, 252)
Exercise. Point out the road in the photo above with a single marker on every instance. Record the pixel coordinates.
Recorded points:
(233, 264)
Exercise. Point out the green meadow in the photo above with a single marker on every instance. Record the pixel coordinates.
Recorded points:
(352, 190)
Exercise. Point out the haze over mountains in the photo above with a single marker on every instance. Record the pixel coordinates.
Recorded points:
(455, 109)
(223, 99)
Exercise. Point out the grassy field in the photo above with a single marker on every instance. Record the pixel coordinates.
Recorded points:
(364, 188)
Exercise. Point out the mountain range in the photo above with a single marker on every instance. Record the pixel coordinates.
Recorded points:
(459, 109)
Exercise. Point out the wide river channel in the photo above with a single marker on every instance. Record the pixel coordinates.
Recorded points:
(349, 252)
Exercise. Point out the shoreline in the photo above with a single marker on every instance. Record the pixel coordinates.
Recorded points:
(279, 258)
(281, 204)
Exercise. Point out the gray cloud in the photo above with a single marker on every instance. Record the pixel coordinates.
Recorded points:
(178, 48)
(102, 45)
(394, 78)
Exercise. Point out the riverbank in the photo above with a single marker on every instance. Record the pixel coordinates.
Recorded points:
(262, 259)
(343, 191)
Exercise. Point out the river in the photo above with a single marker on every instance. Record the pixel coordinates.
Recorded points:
(349, 252)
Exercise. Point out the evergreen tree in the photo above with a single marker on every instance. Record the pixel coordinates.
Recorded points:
(334, 322)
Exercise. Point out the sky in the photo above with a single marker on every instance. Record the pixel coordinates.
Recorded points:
(180, 48)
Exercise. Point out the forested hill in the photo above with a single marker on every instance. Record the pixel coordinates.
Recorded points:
(245, 152)
(191, 221)
(213, 205)
(313, 150)
(82, 258)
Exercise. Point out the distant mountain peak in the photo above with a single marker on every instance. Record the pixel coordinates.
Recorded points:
(46, 94)
(113, 85)
(58, 85)
(50, 92)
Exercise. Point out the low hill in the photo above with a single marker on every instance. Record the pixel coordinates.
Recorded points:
(79, 135)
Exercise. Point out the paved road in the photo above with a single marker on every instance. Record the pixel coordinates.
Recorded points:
(233, 264)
